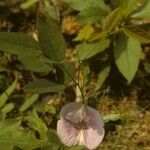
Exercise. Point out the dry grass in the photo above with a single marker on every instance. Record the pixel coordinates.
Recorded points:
(132, 132)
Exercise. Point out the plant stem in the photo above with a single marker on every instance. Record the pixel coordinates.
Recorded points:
(77, 84)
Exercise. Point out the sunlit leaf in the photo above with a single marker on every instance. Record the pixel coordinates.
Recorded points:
(4, 97)
(87, 50)
(43, 86)
(81, 5)
(19, 44)
(37, 124)
(112, 20)
(28, 3)
(127, 55)
(6, 109)
(50, 38)
(92, 15)
(51, 10)
(97, 36)
(28, 102)
(84, 33)
(137, 33)
(12, 134)
(112, 117)
(145, 12)
(128, 6)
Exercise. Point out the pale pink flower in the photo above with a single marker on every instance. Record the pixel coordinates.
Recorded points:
(80, 125)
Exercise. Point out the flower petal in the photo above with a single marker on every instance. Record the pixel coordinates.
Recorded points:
(88, 133)
(94, 134)
(67, 133)
(72, 112)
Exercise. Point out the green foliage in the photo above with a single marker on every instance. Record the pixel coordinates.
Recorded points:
(112, 19)
(28, 102)
(87, 50)
(4, 97)
(81, 5)
(137, 33)
(102, 77)
(43, 86)
(76, 148)
(11, 134)
(127, 55)
(19, 44)
(28, 4)
(109, 35)
(68, 72)
(6, 109)
(52, 137)
(36, 65)
(84, 33)
(92, 15)
(49, 36)
(37, 124)
(143, 11)
(51, 10)
(112, 117)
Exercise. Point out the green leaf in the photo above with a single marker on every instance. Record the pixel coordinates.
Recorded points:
(81, 5)
(137, 33)
(52, 137)
(97, 36)
(86, 73)
(102, 77)
(112, 20)
(43, 86)
(68, 71)
(76, 148)
(128, 6)
(6, 109)
(37, 124)
(4, 97)
(84, 33)
(147, 67)
(50, 38)
(92, 15)
(28, 4)
(25, 140)
(51, 10)
(88, 50)
(112, 117)
(12, 134)
(145, 12)
(6, 146)
(19, 44)
(35, 64)
(28, 102)
(127, 55)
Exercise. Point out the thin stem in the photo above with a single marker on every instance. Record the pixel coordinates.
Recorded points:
(77, 84)
(115, 31)
(78, 68)
(81, 89)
